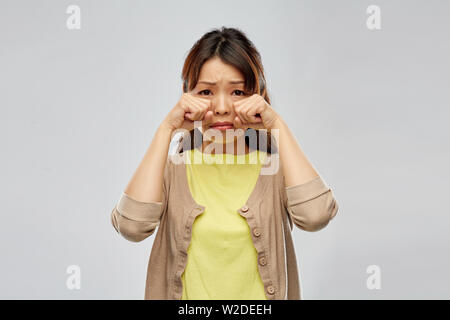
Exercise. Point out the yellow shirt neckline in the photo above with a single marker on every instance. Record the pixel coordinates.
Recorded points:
(244, 158)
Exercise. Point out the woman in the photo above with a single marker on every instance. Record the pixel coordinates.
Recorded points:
(224, 227)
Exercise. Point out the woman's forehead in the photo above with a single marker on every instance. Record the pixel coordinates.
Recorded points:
(214, 71)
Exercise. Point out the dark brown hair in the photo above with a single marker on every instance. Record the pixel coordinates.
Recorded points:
(233, 47)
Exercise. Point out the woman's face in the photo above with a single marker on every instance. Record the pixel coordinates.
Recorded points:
(223, 84)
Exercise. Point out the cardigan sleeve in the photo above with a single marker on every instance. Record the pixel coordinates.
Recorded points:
(135, 220)
(310, 205)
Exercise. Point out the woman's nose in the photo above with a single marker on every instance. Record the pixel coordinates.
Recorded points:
(222, 106)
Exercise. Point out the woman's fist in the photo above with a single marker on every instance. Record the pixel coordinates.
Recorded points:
(187, 110)
(254, 112)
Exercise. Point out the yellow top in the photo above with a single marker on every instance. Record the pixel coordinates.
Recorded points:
(222, 260)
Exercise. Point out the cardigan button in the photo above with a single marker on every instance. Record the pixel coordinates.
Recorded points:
(263, 261)
(271, 289)
(244, 208)
(257, 232)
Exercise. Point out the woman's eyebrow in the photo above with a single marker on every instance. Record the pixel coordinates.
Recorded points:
(230, 82)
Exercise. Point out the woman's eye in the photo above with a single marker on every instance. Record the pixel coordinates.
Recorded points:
(204, 91)
(243, 93)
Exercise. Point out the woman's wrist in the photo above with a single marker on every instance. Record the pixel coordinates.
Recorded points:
(277, 123)
(166, 128)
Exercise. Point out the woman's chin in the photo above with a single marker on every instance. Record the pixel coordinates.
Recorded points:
(223, 137)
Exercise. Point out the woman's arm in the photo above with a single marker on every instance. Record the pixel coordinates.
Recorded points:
(142, 204)
(297, 168)
(308, 199)
(138, 211)
(146, 183)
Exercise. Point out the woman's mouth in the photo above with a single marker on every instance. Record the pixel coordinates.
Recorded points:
(222, 126)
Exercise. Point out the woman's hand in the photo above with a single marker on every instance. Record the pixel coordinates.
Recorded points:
(254, 112)
(187, 110)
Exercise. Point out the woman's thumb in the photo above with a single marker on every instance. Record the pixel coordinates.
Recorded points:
(237, 123)
(208, 118)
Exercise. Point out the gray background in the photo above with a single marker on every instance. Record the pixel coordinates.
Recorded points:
(369, 108)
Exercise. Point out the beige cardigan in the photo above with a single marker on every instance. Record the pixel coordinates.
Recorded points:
(309, 206)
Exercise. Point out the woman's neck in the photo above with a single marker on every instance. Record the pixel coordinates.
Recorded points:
(222, 147)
